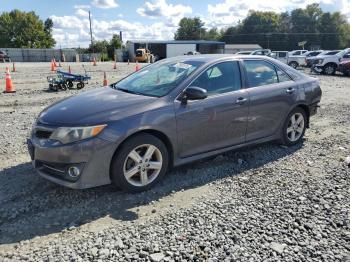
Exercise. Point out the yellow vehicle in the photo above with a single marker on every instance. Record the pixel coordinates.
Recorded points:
(144, 55)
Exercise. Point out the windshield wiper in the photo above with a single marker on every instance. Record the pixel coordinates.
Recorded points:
(128, 91)
(133, 92)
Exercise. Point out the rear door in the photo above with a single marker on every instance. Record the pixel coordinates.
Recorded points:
(218, 121)
(272, 93)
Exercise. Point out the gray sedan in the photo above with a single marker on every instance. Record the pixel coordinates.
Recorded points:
(167, 114)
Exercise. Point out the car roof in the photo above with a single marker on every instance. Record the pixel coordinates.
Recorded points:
(208, 58)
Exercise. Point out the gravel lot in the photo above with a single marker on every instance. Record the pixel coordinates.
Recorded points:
(264, 203)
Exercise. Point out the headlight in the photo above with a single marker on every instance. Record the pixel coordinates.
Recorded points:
(320, 61)
(72, 134)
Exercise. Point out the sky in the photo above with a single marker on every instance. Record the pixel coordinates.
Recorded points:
(150, 19)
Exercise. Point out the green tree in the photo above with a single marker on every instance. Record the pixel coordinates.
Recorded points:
(283, 31)
(190, 29)
(212, 34)
(114, 43)
(25, 30)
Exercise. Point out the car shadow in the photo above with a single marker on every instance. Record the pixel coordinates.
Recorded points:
(30, 206)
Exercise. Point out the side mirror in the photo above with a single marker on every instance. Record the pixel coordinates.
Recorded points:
(194, 93)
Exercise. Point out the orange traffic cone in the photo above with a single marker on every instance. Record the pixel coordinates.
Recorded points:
(13, 67)
(137, 67)
(115, 65)
(54, 61)
(105, 82)
(69, 70)
(9, 85)
(94, 62)
(53, 69)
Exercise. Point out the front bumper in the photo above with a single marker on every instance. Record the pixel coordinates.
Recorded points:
(92, 157)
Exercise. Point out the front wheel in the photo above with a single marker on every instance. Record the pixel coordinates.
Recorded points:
(140, 163)
(294, 127)
(329, 69)
(293, 64)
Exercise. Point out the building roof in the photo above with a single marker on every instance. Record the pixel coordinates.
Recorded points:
(242, 46)
(175, 42)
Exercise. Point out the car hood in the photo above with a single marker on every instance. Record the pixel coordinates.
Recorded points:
(100, 105)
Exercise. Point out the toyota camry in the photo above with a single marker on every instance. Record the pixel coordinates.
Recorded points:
(170, 113)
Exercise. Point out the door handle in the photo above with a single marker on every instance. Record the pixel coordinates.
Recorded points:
(241, 100)
(290, 90)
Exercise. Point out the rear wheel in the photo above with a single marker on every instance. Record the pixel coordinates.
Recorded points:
(294, 127)
(80, 85)
(140, 163)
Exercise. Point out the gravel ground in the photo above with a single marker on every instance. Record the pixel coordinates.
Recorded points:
(263, 203)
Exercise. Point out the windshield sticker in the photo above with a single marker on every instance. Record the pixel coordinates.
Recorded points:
(182, 66)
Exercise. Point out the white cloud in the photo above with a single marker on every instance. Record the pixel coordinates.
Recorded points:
(82, 6)
(82, 13)
(105, 4)
(71, 31)
(229, 12)
(160, 8)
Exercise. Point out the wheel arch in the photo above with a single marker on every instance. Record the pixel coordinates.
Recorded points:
(306, 110)
(160, 135)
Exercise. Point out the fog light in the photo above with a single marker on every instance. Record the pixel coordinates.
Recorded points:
(73, 171)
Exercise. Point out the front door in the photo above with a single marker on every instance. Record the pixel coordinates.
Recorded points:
(219, 120)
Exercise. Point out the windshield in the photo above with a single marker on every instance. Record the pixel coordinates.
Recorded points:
(157, 79)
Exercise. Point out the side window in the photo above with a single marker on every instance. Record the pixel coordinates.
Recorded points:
(260, 73)
(220, 78)
(283, 55)
(282, 76)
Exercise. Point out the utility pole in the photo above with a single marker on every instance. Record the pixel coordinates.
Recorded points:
(90, 27)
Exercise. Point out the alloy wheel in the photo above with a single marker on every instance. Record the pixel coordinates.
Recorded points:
(295, 127)
(143, 165)
(329, 70)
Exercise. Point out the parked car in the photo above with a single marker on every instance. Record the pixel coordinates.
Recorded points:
(173, 112)
(280, 56)
(344, 67)
(312, 54)
(193, 53)
(261, 52)
(4, 57)
(300, 60)
(293, 60)
(328, 64)
(243, 53)
(297, 52)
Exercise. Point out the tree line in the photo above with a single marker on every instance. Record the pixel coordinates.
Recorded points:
(277, 31)
(25, 30)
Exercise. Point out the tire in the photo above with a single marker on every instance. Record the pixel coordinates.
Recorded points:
(70, 84)
(55, 88)
(122, 163)
(329, 69)
(80, 85)
(64, 87)
(298, 129)
(293, 64)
